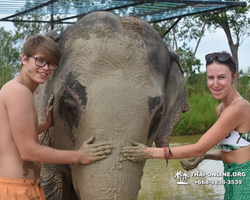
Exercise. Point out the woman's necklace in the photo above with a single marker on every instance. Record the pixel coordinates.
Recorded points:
(235, 100)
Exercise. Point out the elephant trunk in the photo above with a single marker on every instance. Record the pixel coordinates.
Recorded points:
(109, 119)
(109, 179)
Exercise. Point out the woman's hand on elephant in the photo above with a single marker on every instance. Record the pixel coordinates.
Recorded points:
(89, 153)
(191, 163)
(137, 153)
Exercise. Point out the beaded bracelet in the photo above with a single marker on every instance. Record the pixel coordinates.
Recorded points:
(166, 155)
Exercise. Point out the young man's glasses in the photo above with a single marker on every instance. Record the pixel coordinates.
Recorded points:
(41, 63)
(221, 57)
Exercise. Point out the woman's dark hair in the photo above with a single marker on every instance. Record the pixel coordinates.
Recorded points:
(222, 57)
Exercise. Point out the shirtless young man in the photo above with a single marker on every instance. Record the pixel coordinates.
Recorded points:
(20, 151)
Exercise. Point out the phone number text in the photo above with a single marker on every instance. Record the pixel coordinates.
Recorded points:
(218, 182)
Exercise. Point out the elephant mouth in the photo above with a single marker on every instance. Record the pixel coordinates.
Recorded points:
(185, 107)
(73, 195)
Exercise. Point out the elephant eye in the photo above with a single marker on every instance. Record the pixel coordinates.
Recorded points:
(70, 107)
(69, 111)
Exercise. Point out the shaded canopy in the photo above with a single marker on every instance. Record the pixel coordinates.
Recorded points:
(68, 11)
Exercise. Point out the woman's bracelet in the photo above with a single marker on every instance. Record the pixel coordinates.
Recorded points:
(167, 154)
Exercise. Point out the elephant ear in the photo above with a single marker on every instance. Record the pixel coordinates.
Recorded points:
(53, 35)
(175, 101)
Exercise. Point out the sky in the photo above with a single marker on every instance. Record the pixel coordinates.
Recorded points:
(216, 42)
(212, 42)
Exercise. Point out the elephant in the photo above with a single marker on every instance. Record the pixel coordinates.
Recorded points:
(118, 81)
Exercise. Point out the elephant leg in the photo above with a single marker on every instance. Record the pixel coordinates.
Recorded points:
(57, 182)
(56, 179)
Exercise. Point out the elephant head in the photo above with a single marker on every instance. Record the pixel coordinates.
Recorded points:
(118, 81)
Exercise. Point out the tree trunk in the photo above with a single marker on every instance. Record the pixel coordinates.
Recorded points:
(196, 48)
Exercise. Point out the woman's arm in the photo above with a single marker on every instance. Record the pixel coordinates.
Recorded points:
(213, 155)
(228, 121)
(192, 163)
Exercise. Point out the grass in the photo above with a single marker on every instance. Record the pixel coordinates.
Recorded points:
(200, 117)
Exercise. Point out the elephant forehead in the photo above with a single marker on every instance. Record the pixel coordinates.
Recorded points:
(110, 41)
(121, 48)
(116, 93)
(120, 83)
(118, 87)
(121, 112)
(105, 56)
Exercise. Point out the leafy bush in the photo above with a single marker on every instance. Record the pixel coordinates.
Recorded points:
(243, 85)
(197, 84)
(6, 74)
(200, 117)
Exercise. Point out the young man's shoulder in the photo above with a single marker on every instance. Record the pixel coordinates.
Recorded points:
(14, 89)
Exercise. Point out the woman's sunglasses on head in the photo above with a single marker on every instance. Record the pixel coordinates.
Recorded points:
(221, 57)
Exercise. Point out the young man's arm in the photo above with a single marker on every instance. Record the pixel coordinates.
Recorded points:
(22, 118)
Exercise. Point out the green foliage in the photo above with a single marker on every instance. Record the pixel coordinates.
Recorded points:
(236, 19)
(243, 85)
(197, 84)
(9, 53)
(200, 117)
(179, 39)
(189, 29)
(6, 74)
(187, 64)
(10, 56)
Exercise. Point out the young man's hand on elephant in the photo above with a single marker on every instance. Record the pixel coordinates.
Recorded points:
(137, 153)
(49, 120)
(49, 116)
(89, 153)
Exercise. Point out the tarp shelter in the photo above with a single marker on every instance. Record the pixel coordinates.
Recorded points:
(68, 11)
